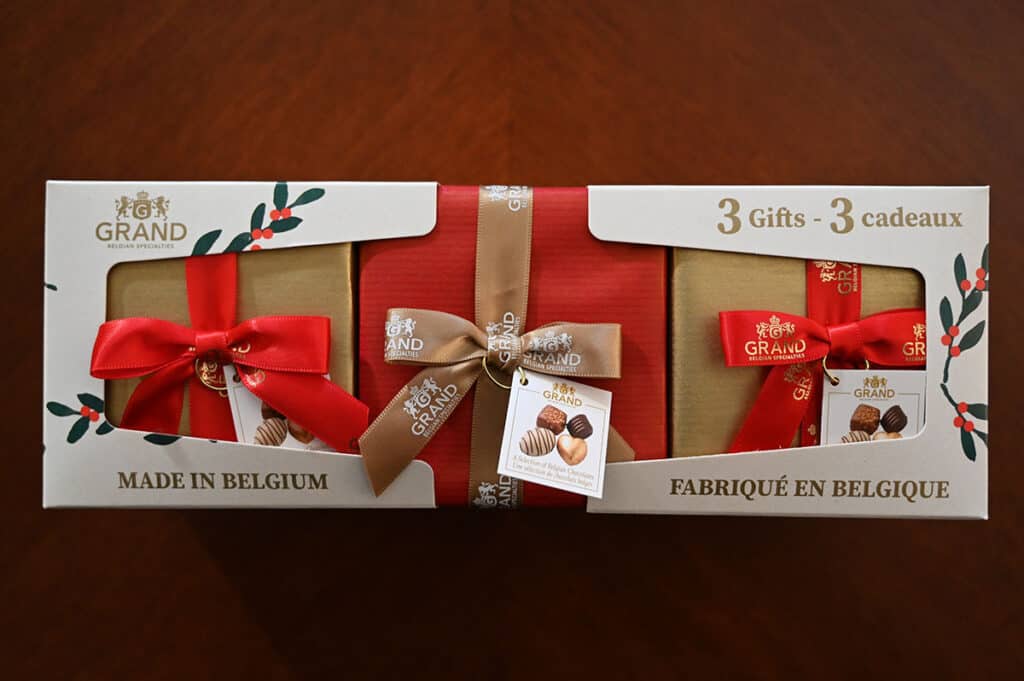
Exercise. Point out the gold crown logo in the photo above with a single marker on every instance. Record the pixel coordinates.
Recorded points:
(775, 328)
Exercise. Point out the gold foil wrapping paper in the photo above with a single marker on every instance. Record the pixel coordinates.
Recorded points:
(313, 280)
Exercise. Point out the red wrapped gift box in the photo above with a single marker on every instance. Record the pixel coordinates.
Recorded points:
(573, 276)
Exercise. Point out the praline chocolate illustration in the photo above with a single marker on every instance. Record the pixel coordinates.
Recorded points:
(579, 426)
(551, 418)
(867, 423)
(894, 420)
(856, 436)
(537, 442)
(572, 449)
(271, 432)
(865, 417)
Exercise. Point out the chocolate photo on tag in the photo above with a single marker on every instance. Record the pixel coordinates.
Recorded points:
(872, 405)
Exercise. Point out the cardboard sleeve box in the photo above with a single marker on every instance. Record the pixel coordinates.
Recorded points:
(313, 280)
(709, 399)
(573, 277)
(599, 254)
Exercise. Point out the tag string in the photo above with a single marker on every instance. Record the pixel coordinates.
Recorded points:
(522, 376)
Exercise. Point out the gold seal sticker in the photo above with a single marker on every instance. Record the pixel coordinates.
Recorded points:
(211, 374)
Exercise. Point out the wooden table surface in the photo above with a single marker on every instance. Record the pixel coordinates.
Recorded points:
(513, 92)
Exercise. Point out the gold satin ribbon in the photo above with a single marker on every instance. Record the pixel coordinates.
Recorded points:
(455, 350)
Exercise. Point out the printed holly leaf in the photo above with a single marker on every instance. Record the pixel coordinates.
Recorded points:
(161, 439)
(967, 442)
(78, 429)
(972, 302)
(972, 337)
(280, 195)
(959, 268)
(984, 258)
(946, 313)
(104, 428)
(256, 221)
(308, 196)
(58, 409)
(91, 401)
(982, 436)
(205, 242)
(239, 243)
(978, 411)
(49, 286)
(285, 225)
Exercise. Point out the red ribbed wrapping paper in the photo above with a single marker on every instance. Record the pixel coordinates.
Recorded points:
(573, 277)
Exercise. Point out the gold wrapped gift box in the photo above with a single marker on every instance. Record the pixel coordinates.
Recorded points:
(314, 280)
(709, 399)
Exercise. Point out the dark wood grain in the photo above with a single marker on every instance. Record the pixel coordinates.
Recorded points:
(539, 93)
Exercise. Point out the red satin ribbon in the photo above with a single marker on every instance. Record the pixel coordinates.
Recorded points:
(794, 345)
(833, 297)
(281, 360)
(792, 339)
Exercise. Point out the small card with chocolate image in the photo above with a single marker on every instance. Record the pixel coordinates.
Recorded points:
(866, 405)
(556, 433)
(258, 423)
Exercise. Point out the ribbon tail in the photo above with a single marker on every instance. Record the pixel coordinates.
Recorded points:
(409, 421)
(780, 406)
(313, 402)
(209, 412)
(155, 405)
(618, 449)
(490, 405)
(810, 429)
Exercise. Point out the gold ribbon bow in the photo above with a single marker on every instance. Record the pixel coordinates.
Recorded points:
(456, 352)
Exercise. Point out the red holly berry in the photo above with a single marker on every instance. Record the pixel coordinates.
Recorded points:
(286, 212)
(947, 339)
(980, 284)
(94, 416)
(969, 426)
(275, 214)
(256, 234)
(84, 411)
(954, 331)
(268, 233)
(981, 273)
(256, 247)
(965, 285)
(962, 407)
(958, 422)
(955, 351)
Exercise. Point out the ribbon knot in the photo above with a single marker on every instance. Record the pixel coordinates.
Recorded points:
(282, 360)
(504, 352)
(845, 340)
(211, 342)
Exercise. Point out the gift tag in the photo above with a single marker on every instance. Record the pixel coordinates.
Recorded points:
(556, 433)
(872, 405)
(257, 423)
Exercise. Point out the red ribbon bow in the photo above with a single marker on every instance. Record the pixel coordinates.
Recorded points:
(281, 360)
(762, 338)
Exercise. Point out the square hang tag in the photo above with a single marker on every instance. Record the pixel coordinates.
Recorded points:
(257, 423)
(556, 433)
(866, 405)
